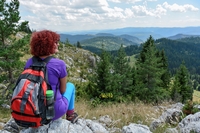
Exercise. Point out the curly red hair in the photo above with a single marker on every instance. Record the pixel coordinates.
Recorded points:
(43, 42)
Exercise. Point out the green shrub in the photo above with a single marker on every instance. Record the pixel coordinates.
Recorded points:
(189, 108)
(95, 102)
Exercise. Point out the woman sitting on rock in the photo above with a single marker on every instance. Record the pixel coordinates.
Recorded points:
(44, 44)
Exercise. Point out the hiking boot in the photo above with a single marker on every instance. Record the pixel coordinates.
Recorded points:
(72, 118)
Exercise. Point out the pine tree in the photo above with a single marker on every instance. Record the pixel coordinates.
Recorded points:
(9, 16)
(101, 81)
(175, 91)
(122, 75)
(165, 77)
(148, 73)
(181, 87)
(79, 44)
(24, 27)
(133, 82)
(10, 52)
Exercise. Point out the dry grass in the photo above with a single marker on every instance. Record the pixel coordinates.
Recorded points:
(4, 115)
(122, 114)
(196, 96)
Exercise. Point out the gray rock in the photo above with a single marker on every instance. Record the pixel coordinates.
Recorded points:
(95, 126)
(197, 106)
(2, 86)
(170, 116)
(190, 123)
(11, 126)
(171, 130)
(105, 119)
(69, 61)
(103, 125)
(6, 106)
(60, 125)
(92, 60)
(1, 125)
(4, 131)
(136, 128)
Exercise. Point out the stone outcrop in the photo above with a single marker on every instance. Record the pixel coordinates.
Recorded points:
(136, 128)
(171, 116)
(82, 126)
(190, 123)
(105, 125)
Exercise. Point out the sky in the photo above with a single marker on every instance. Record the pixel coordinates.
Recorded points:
(83, 15)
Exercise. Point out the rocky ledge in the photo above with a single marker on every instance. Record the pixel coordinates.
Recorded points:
(105, 125)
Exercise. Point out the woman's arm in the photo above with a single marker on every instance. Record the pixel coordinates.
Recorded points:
(63, 82)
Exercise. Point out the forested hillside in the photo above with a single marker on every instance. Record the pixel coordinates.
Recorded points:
(180, 36)
(96, 40)
(177, 48)
(109, 43)
(177, 51)
(186, 50)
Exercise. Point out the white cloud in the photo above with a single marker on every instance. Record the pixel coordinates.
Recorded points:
(128, 13)
(116, 12)
(129, 1)
(144, 11)
(115, 1)
(96, 14)
(141, 11)
(160, 11)
(125, 1)
(88, 3)
(180, 8)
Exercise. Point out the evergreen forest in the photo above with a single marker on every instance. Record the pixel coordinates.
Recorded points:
(149, 80)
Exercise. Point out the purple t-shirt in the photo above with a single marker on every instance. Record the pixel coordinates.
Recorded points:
(56, 70)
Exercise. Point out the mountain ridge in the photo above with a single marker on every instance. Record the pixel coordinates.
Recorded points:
(179, 36)
(73, 39)
(144, 32)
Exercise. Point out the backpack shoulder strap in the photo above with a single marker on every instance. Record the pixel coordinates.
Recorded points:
(37, 61)
(46, 60)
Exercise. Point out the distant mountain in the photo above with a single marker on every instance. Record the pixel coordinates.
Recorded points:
(156, 32)
(144, 32)
(104, 34)
(131, 38)
(74, 38)
(109, 42)
(179, 36)
(106, 37)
